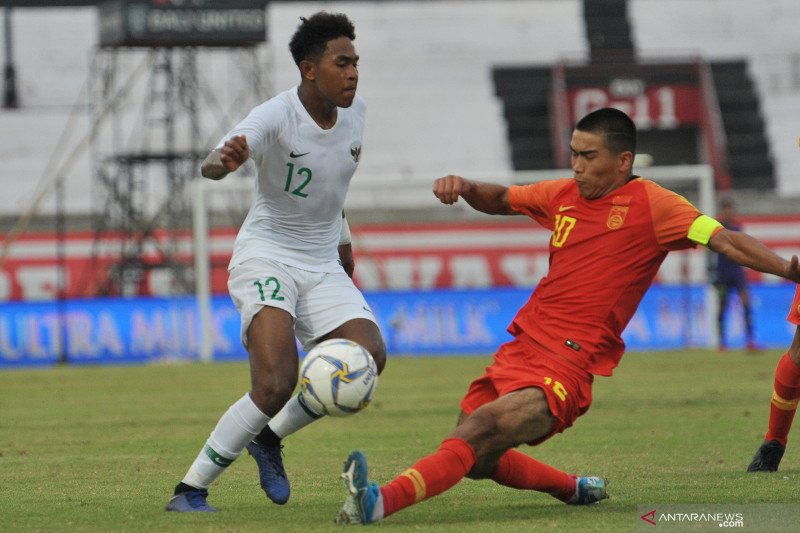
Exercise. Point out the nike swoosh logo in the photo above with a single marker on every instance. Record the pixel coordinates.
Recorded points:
(293, 155)
(562, 208)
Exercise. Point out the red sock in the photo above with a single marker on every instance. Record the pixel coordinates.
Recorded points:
(784, 399)
(519, 471)
(430, 476)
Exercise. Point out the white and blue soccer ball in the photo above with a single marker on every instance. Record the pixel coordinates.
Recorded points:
(338, 377)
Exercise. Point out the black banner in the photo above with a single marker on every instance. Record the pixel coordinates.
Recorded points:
(151, 23)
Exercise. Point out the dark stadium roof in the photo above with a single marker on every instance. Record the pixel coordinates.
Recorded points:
(65, 3)
(73, 3)
(47, 3)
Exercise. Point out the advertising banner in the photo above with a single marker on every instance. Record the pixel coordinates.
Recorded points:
(414, 323)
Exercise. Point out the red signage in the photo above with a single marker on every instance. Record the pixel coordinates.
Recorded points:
(399, 257)
(653, 107)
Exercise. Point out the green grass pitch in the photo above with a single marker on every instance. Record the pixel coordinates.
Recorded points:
(100, 448)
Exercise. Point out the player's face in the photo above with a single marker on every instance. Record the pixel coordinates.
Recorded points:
(727, 213)
(337, 72)
(596, 169)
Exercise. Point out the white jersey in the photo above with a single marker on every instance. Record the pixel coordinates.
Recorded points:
(303, 175)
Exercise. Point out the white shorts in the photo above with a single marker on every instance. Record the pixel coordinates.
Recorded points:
(319, 302)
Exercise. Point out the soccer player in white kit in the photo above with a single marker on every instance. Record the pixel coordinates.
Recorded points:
(292, 261)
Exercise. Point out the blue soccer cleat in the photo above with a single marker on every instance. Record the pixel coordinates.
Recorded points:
(193, 501)
(589, 490)
(362, 497)
(271, 473)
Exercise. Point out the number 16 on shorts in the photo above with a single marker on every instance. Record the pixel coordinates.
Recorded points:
(557, 387)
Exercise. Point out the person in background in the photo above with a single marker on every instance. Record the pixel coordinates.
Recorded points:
(727, 277)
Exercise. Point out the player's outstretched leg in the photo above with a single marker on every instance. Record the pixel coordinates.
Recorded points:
(589, 490)
(191, 500)
(520, 471)
(363, 503)
(767, 457)
(271, 473)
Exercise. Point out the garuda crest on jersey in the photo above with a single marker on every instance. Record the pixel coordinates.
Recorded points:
(355, 151)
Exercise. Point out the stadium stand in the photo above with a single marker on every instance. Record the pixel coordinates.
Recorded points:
(524, 92)
(608, 30)
(527, 95)
(749, 158)
(436, 98)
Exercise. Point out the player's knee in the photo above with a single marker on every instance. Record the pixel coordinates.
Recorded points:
(270, 395)
(377, 348)
(379, 355)
(484, 434)
(367, 334)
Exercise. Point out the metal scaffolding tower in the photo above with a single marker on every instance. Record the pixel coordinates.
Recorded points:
(156, 128)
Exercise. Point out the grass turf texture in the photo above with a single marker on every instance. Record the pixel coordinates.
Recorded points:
(100, 448)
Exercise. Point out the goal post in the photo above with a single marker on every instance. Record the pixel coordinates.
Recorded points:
(202, 270)
(228, 201)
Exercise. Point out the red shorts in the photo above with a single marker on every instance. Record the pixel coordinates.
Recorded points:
(794, 311)
(523, 363)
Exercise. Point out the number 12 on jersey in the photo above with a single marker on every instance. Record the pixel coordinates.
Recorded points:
(298, 190)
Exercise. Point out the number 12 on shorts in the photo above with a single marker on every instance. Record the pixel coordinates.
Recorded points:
(267, 285)
(557, 387)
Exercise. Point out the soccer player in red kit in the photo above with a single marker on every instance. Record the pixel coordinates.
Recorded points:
(785, 397)
(611, 231)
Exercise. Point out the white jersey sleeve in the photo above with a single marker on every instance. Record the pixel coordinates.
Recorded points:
(262, 127)
(304, 172)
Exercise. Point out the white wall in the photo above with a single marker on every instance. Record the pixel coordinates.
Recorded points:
(766, 32)
(51, 54)
(425, 73)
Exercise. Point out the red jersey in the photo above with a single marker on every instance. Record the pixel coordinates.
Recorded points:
(604, 254)
(794, 312)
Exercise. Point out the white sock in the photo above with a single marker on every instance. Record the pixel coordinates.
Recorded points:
(377, 512)
(294, 416)
(238, 426)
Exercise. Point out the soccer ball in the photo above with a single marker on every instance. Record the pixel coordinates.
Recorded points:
(338, 377)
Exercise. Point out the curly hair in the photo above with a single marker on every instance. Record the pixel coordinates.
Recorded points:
(313, 33)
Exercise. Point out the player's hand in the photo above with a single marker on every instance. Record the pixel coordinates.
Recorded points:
(449, 188)
(793, 270)
(234, 152)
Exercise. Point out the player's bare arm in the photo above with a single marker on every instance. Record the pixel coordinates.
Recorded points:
(752, 253)
(489, 198)
(222, 161)
(346, 248)
(346, 257)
